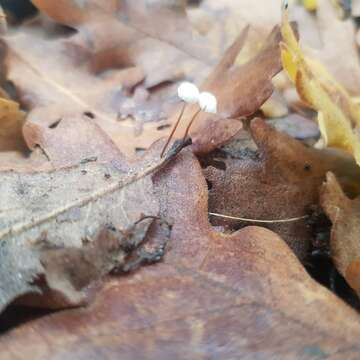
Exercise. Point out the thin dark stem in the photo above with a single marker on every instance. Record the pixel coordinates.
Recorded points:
(173, 130)
(190, 123)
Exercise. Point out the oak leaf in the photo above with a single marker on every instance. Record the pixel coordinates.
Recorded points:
(278, 181)
(54, 237)
(344, 243)
(240, 91)
(215, 295)
(95, 70)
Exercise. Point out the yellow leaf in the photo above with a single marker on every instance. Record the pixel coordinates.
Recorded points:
(310, 4)
(338, 113)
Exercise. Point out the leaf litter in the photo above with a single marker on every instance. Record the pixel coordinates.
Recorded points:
(82, 210)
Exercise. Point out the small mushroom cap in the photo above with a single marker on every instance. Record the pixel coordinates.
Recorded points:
(188, 92)
(208, 102)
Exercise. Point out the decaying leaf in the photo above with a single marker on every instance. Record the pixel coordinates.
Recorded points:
(240, 92)
(338, 113)
(119, 33)
(96, 70)
(69, 141)
(49, 218)
(344, 243)
(279, 181)
(215, 296)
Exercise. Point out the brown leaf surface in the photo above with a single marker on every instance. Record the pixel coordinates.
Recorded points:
(338, 38)
(240, 92)
(96, 70)
(280, 181)
(69, 141)
(73, 74)
(344, 214)
(11, 122)
(53, 228)
(215, 295)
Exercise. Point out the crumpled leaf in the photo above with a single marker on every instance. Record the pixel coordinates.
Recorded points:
(53, 226)
(96, 70)
(279, 181)
(240, 92)
(215, 295)
(118, 33)
(344, 214)
(338, 113)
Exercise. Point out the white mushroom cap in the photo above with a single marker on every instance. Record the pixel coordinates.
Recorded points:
(188, 92)
(208, 102)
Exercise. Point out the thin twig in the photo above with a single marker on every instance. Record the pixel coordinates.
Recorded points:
(260, 221)
(173, 130)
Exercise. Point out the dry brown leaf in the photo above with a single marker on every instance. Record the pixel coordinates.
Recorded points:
(87, 73)
(53, 230)
(338, 113)
(280, 181)
(222, 20)
(338, 38)
(344, 214)
(240, 92)
(215, 296)
(95, 96)
(69, 141)
(118, 33)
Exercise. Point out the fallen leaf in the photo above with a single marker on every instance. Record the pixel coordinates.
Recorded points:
(240, 92)
(69, 141)
(53, 228)
(338, 113)
(344, 243)
(279, 181)
(341, 32)
(215, 295)
(96, 69)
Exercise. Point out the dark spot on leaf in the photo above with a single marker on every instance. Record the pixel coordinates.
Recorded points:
(88, 159)
(55, 124)
(140, 149)
(162, 127)
(89, 114)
